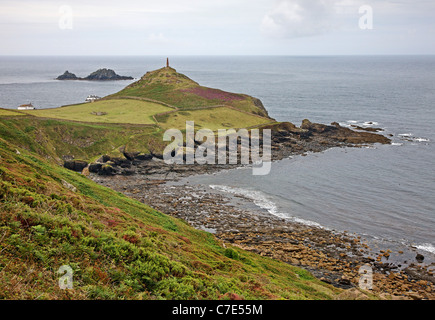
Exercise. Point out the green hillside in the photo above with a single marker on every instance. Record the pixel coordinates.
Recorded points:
(117, 247)
(54, 139)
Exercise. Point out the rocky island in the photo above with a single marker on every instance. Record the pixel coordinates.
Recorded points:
(99, 75)
(68, 76)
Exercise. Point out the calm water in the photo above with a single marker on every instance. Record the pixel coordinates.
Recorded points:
(385, 192)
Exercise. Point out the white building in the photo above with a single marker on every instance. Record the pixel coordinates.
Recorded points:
(26, 107)
(92, 98)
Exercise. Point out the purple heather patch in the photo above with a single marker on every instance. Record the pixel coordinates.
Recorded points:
(214, 94)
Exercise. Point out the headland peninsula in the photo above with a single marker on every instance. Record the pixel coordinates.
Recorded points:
(87, 186)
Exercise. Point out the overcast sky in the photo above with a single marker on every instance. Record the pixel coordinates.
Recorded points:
(220, 27)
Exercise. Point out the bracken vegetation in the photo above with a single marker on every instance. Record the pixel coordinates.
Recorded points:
(117, 247)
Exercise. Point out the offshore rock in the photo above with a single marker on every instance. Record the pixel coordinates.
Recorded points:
(67, 76)
(106, 75)
(99, 75)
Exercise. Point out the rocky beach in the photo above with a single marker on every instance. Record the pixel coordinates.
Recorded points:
(334, 257)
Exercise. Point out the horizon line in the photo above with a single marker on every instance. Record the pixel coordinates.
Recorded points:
(217, 55)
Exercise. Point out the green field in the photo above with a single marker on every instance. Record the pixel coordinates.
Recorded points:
(117, 111)
(212, 118)
(7, 112)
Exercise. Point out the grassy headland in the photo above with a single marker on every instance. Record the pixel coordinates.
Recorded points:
(169, 86)
(133, 119)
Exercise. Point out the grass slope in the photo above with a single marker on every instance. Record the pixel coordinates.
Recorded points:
(117, 247)
(54, 139)
(213, 119)
(8, 112)
(111, 111)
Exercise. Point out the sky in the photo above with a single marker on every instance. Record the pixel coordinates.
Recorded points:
(220, 27)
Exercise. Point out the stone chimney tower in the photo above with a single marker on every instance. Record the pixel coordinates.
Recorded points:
(167, 62)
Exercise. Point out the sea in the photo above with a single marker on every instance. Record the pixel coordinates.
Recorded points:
(385, 193)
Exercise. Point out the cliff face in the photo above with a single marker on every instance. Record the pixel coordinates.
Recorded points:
(99, 75)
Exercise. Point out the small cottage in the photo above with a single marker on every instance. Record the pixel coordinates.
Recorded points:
(26, 107)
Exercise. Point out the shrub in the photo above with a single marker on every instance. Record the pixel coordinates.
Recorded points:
(130, 236)
(304, 274)
(173, 288)
(100, 293)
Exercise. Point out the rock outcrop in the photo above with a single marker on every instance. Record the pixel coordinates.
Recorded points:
(342, 134)
(106, 75)
(99, 75)
(67, 76)
(75, 165)
(287, 140)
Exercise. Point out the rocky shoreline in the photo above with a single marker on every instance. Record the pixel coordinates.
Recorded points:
(333, 257)
(286, 140)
